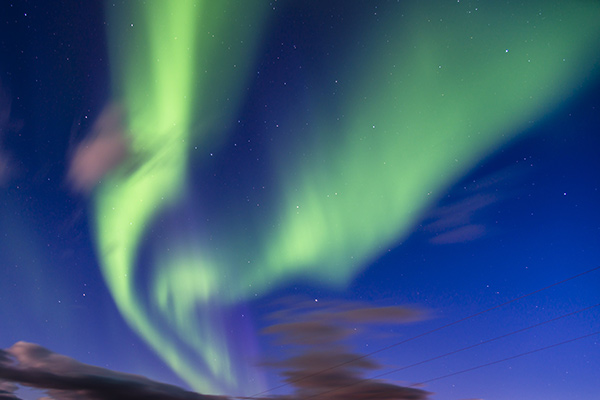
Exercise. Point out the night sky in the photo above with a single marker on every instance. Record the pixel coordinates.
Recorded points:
(282, 199)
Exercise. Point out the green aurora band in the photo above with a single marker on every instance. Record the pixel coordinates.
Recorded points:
(170, 60)
(437, 87)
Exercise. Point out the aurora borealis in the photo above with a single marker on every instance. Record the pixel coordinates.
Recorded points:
(341, 205)
(156, 70)
(357, 125)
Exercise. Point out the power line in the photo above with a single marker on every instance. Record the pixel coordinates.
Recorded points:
(507, 358)
(454, 352)
(428, 332)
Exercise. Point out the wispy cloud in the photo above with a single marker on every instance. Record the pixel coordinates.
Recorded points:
(5, 106)
(103, 150)
(323, 367)
(463, 219)
(454, 223)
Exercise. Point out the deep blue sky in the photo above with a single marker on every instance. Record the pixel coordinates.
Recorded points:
(536, 200)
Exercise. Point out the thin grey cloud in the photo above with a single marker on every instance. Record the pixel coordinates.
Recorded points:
(307, 332)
